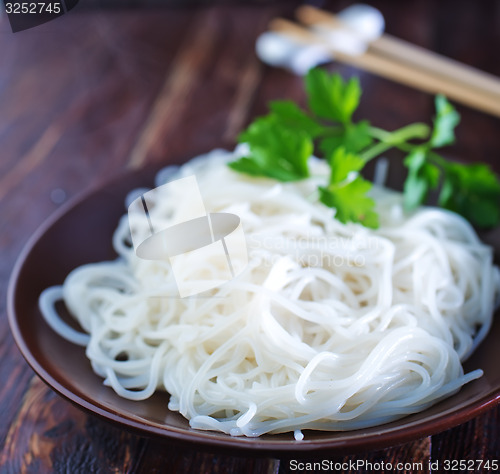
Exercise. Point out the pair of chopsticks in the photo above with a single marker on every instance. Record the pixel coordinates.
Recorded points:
(400, 61)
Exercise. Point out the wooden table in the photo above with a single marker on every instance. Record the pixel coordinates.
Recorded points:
(99, 90)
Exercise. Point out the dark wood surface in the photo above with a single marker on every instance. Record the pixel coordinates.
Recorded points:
(100, 90)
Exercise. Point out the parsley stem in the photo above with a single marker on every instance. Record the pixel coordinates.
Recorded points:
(437, 159)
(409, 132)
(380, 134)
(396, 139)
(375, 150)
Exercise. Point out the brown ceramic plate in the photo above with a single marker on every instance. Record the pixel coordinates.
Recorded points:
(80, 233)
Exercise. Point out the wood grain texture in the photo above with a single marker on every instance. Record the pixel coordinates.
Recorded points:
(97, 91)
(50, 436)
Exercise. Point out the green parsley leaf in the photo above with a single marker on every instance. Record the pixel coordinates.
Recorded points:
(351, 203)
(275, 151)
(329, 97)
(354, 137)
(248, 166)
(422, 176)
(473, 191)
(347, 190)
(447, 118)
(342, 163)
(290, 115)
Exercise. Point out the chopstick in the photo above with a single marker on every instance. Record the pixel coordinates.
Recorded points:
(399, 71)
(404, 52)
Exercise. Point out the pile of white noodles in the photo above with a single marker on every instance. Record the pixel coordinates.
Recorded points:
(330, 327)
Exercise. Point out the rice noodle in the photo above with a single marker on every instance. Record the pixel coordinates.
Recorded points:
(329, 327)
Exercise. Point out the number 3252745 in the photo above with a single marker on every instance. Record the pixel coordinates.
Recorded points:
(32, 7)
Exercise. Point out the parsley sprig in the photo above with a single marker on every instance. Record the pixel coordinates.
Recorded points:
(282, 142)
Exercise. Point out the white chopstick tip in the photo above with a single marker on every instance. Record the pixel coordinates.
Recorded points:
(277, 49)
(274, 49)
(367, 21)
